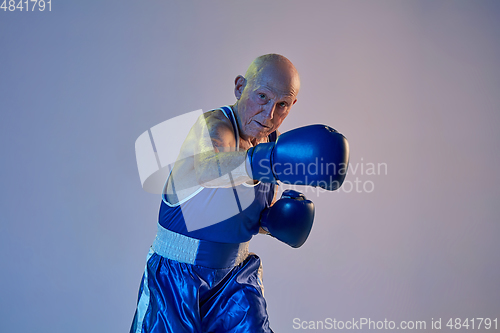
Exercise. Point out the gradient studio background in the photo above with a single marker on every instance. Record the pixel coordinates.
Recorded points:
(412, 84)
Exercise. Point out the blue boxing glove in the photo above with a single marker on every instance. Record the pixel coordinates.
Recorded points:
(290, 219)
(314, 155)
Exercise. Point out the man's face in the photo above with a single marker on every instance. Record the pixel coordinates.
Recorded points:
(265, 101)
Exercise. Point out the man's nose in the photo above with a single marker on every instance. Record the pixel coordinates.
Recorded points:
(269, 110)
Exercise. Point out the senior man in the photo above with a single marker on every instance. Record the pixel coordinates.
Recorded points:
(204, 279)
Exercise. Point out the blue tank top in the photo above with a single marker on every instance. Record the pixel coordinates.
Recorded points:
(224, 215)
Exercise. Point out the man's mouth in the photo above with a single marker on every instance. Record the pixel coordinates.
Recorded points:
(261, 125)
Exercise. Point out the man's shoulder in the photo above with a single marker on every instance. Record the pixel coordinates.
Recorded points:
(216, 120)
(214, 126)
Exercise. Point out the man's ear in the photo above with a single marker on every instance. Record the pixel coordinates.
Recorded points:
(239, 85)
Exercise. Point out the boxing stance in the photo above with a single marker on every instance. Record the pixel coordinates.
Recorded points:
(201, 277)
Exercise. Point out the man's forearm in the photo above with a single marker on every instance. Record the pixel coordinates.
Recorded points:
(221, 169)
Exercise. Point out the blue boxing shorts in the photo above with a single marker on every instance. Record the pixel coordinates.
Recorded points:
(192, 285)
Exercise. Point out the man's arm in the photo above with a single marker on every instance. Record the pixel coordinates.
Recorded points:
(275, 198)
(216, 162)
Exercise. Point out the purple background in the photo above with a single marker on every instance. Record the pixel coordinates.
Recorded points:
(412, 84)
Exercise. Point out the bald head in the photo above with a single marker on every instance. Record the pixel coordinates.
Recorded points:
(277, 66)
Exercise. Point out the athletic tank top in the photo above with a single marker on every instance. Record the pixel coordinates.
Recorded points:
(225, 215)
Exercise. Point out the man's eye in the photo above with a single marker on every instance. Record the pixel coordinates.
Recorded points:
(283, 104)
(262, 96)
